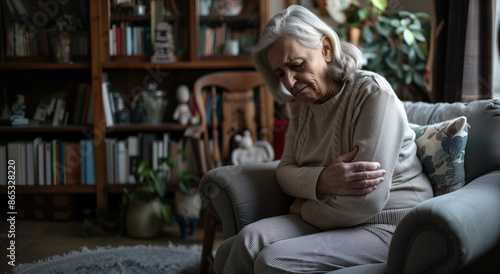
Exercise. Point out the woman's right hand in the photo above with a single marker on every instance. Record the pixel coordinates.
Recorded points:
(346, 178)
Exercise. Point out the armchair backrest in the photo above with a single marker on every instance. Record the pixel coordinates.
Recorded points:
(239, 101)
(482, 152)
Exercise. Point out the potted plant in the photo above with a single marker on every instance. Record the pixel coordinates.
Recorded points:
(359, 16)
(396, 47)
(187, 199)
(145, 209)
(61, 32)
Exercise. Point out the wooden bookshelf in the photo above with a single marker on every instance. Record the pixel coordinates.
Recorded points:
(39, 76)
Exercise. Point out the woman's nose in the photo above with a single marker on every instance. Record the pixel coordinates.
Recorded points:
(289, 80)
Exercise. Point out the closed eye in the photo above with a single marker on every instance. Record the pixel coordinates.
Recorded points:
(298, 66)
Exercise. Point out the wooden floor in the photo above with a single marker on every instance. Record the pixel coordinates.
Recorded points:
(36, 240)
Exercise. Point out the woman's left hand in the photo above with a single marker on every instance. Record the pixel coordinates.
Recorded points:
(296, 207)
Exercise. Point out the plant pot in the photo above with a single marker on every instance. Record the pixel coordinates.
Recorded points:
(354, 34)
(188, 207)
(61, 43)
(142, 219)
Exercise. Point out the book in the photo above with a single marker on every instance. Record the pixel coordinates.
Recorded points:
(86, 105)
(54, 162)
(133, 156)
(110, 159)
(89, 162)
(3, 164)
(79, 103)
(47, 164)
(120, 163)
(62, 163)
(30, 164)
(41, 163)
(106, 104)
(72, 162)
(14, 153)
(146, 142)
(36, 172)
(83, 162)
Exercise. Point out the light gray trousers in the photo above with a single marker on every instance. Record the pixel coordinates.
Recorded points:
(287, 244)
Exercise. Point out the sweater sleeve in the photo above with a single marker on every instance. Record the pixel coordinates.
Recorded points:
(301, 181)
(379, 131)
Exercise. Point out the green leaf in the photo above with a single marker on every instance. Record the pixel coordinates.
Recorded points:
(166, 212)
(408, 36)
(395, 23)
(409, 77)
(419, 67)
(418, 78)
(160, 187)
(391, 62)
(363, 13)
(411, 55)
(381, 5)
(419, 36)
(368, 34)
(420, 53)
(422, 15)
(383, 29)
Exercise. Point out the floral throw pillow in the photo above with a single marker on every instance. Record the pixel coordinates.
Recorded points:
(441, 149)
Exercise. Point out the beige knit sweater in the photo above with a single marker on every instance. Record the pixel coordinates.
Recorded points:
(368, 114)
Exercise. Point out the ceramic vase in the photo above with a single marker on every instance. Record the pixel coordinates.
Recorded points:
(61, 43)
(142, 219)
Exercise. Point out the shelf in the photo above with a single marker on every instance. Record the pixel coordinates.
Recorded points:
(51, 189)
(222, 62)
(44, 66)
(146, 127)
(44, 128)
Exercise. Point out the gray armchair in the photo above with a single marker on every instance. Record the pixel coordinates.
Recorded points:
(455, 232)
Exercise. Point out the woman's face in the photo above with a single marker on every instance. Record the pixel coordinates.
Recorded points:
(302, 70)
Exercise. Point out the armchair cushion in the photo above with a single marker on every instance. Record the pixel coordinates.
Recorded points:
(441, 149)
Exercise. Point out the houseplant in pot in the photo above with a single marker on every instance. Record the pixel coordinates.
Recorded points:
(145, 209)
(61, 31)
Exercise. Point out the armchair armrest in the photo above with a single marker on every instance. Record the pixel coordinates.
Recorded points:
(445, 233)
(239, 195)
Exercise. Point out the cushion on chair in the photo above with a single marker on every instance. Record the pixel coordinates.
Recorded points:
(441, 149)
(482, 153)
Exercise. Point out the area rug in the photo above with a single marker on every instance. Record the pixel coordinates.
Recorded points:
(124, 259)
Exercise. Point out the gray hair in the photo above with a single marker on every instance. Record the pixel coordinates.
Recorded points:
(300, 23)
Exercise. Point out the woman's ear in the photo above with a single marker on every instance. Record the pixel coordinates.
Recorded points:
(327, 48)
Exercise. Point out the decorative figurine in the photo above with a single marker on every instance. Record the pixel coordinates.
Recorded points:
(164, 44)
(155, 103)
(182, 113)
(249, 152)
(18, 113)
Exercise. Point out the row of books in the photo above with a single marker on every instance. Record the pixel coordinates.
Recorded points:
(213, 39)
(124, 155)
(49, 163)
(125, 39)
(209, 101)
(54, 111)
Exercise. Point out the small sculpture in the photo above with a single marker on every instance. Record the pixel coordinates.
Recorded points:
(18, 113)
(164, 44)
(250, 153)
(182, 113)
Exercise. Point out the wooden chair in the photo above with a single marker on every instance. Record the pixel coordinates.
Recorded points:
(246, 104)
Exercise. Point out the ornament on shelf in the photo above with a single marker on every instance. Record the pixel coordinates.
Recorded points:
(164, 44)
(250, 152)
(182, 113)
(18, 113)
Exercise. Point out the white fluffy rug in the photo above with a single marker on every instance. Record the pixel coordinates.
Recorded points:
(170, 259)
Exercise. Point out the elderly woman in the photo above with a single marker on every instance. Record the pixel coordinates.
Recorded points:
(349, 159)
